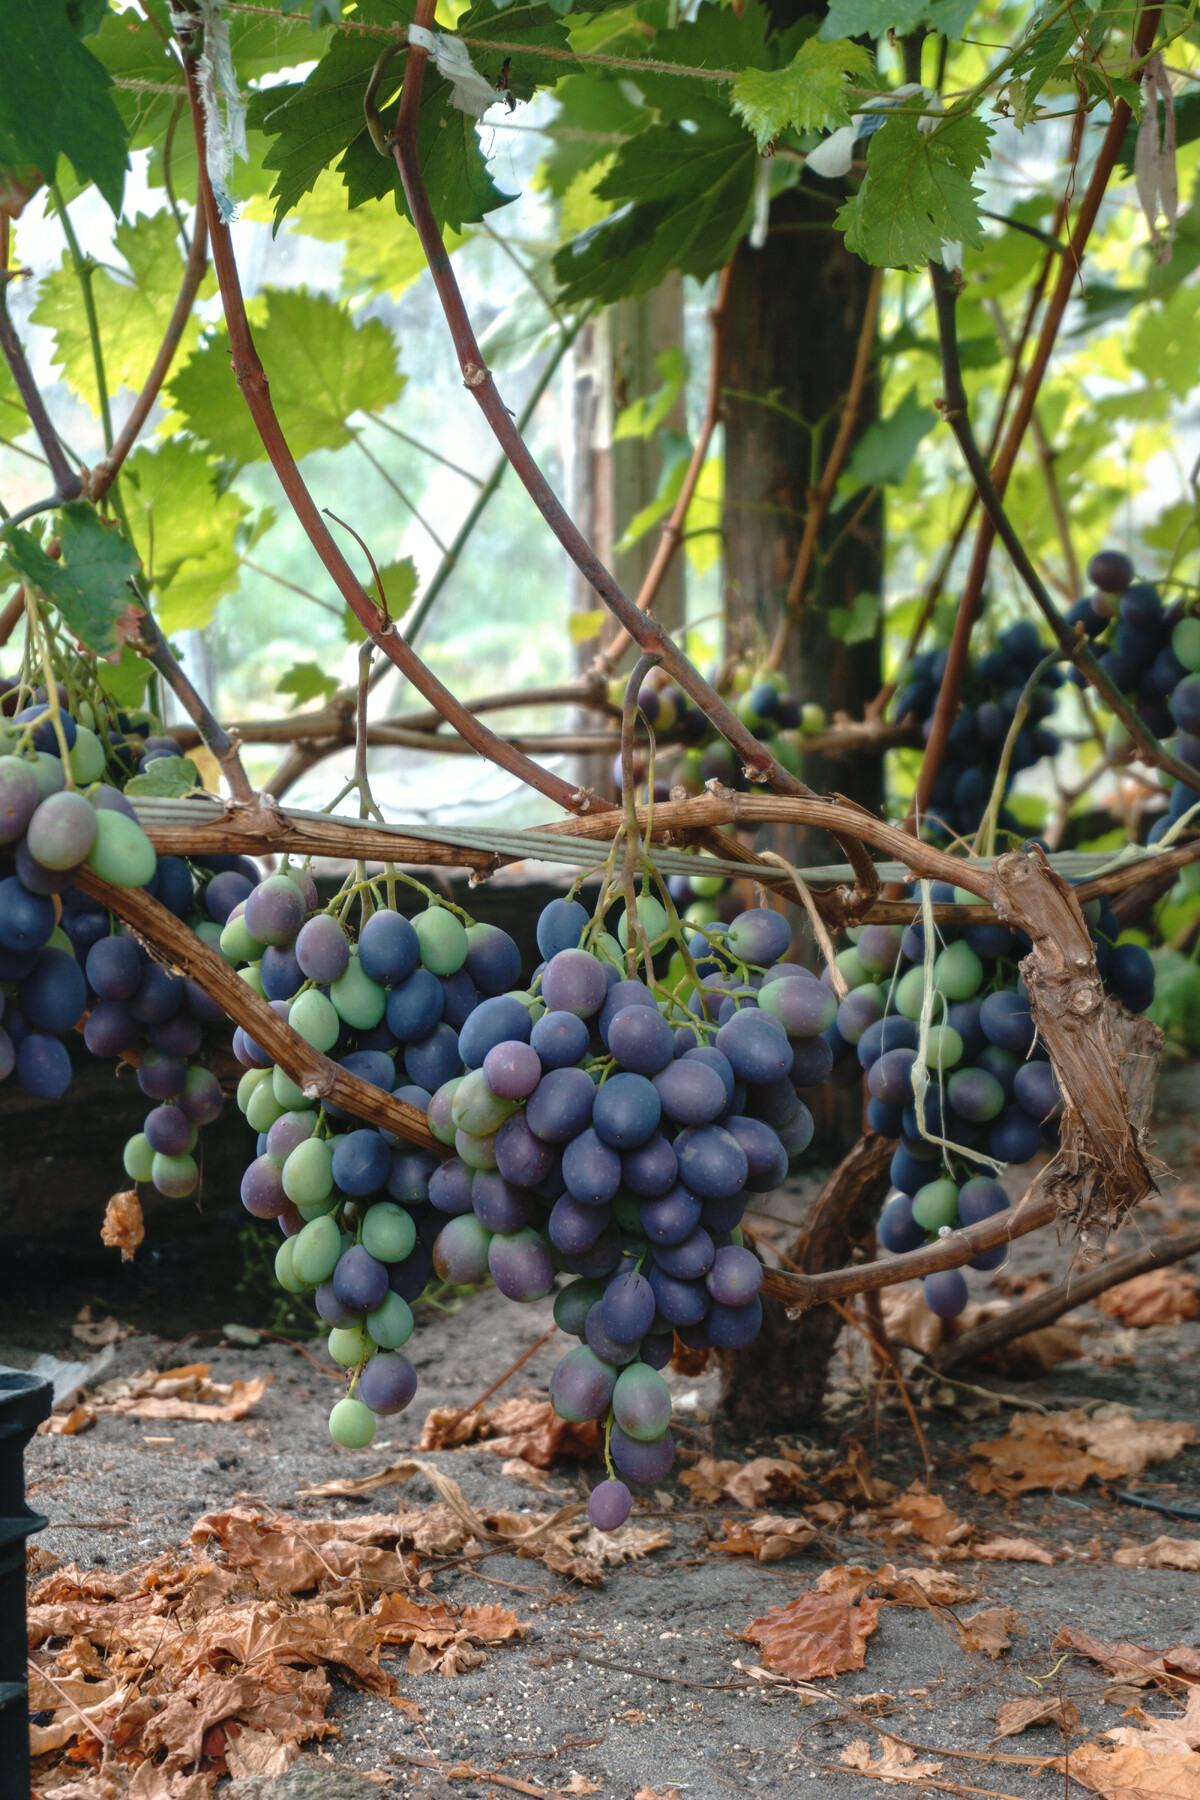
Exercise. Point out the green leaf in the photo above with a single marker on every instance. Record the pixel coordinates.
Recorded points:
(307, 681)
(884, 451)
(381, 252)
(56, 99)
(875, 18)
(187, 528)
(89, 584)
(323, 366)
(643, 418)
(582, 627)
(858, 623)
(1176, 1006)
(1166, 344)
(134, 308)
(166, 778)
(809, 95)
(917, 193)
(127, 679)
(399, 581)
(597, 114)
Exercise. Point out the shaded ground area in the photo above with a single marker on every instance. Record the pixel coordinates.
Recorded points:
(635, 1683)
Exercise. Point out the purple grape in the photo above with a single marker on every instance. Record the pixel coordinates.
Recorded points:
(591, 1170)
(802, 1006)
(672, 1218)
(520, 1264)
(878, 948)
(291, 1220)
(388, 1382)
(560, 926)
(498, 1205)
(601, 1259)
(114, 968)
(980, 1199)
(410, 1278)
(201, 1005)
(280, 973)
(776, 1104)
(330, 1308)
(414, 1006)
(759, 936)
(374, 1067)
(26, 920)
(224, 892)
(493, 1022)
(1111, 571)
(623, 994)
(679, 1302)
(54, 993)
(861, 1008)
(161, 1077)
(573, 1303)
(18, 798)
(652, 1169)
(975, 1095)
(460, 997)
(733, 1327)
(574, 982)
(765, 1155)
(720, 1216)
(573, 1227)
(410, 1175)
(627, 1309)
(493, 960)
(689, 1260)
(388, 948)
(520, 1157)
(609, 1505)
(262, 1189)
(560, 1039)
(642, 1462)
(179, 1036)
(288, 1130)
(274, 910)
(640, 1039)
(690, 1092)
(945, 1293)
(362, 1163)
(712, 1163)
(512, 1069)
(450, 1187)
(641, 1403)
(626, 1111)
(434, 1060)
(560, 1107)
(658, 1349)
(890, 1077)
(168, 1130)
(608, 1349)
(581, 1386)
(323, 951)
(159, 995)
(111, 1028)
(897, 1230)
(202, 1099)
(1014, 1136)
(735, 1277)
(711, 1058)
(35, 877)
(359, 1280)
(1006, 1021)
(1035, 1090)
(756, 1045)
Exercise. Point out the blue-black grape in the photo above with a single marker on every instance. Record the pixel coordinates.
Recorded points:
(626, 1111)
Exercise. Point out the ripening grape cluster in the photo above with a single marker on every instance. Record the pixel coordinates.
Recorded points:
(991, 692)
(1151, 652)
(991, 1088)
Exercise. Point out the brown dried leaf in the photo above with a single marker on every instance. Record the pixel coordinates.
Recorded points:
(767, 1537)
(1163, 1297)
(1018, 1549)
(1171, 1734)
(1131, 1663)
(96, 1333)
(687, 1362)
(287, 1702)
(1018, 1715)
(183, 1393)
(81, 1710)
(251, 1752)
(531, 1429)
(124, 1227)
(925, 1516)
(988, 1631)
(69, 1424)
(629, 1543)
(938, 1586)
(455, 1659)
(1163, 1553)
(766, 1481)
(517, 1469)
(852, 1579)
(448, 1427)
(290, 1555)
(150, 1783)
(1034, 1454)
(705, 1481)
(817, 1635)
(395, 1474)
(581, 1784)
(853, 1476)
(895, 1762)
(1112, 1432)
(648, 1793)
(1131, 1773)
(909, 1321)
(399, 1619)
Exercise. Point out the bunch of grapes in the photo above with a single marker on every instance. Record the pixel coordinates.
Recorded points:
(991, 692)
(1152, 654)
(991, 1088)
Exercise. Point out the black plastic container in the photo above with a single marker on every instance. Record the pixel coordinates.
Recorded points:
(24, 1402)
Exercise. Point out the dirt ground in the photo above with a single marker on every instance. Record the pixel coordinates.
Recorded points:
(635, 1684)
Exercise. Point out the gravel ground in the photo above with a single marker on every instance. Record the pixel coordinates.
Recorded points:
(672, 1712)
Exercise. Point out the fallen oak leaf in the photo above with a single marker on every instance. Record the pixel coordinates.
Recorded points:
(1015, 1716)
(925, 1516)
(895, 1762)
(1017, 1549)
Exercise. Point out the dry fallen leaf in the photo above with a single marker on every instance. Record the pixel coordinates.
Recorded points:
(1133, 1664)
(766, 1481)
(909, 1321)
(1018, 1715)
(937, 1585)
(1131, 1773)
(854, 1478)
(68, 1424)
(1039, 1452)
(290, 1555)
(1163, 1297)
(767, 1537)
(1018, 1549)
(706, 1479)
(517, 1469)
(817, 1635)
(647, 1793)
(124, 1227)
(1182, 1732)
(581, 1784)
(1163, 1553)
(989, 1631)
(925, 1516)
(399, 1619)
(895, 1762)
(183, 1393)
(392, 1476)
(1113, 1432)
(258, 1753)
(530, 1428)
(95, 1333)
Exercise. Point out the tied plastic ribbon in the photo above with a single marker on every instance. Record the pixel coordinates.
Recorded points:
(221, 100)
(473, 93)
(1154, 158)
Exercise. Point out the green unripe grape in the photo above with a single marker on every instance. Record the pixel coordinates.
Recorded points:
(475, 1109)
(748, 714)
(1119, 746)
(84, 715)
(438, 1117)
(236, 943)
(252, 976)
(347, 1345)
(443, 940)
(607, 949)
(655, 923)
(641, 1402)
(1185, 642)
(701, 913)
(316, 1019)
(1189, 875)
(285, 1274)
(317, 1249)
(851, 966)
(689, 772)
(812, 718)
(944, 1048)
(139, 1158)
(351, 1424)
(251, 1080)
(122, 853)
(958, 972)
(48, 773)
(626, 1211)
(58, 940)
(707, 887)
(388, 1232)
(174, 1176)
(308, 1172)
(263, 1108)
(359, 1000)
(317, 1209)
(476, 1152)
(573, 1303)
(936, 1205)
(964, 897)
(391, 1324)
(910, 992)
(209, 932)
(677, 972)
(737, 1236)
(85, 759)
(787, 758)
(290, 1097)
(1093, 910)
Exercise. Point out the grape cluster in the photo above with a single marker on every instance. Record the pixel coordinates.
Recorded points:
(991, 1088)
(1151, 652)
(991, 692)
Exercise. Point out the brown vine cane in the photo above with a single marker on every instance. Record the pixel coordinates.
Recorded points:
(318, 1076)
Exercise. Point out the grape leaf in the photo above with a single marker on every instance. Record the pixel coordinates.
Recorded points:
(134, 308)
(399, 581)
(875, 18)
(381, 253)
(127, 679)
(306, 681)
(1167, 342)
(597, 114)
(917, 193)
(187, 527)
(166, 778)
(323, 367)
(884, 451)
(56, 99)
(857, 623)
(808, 95)
(89, 583)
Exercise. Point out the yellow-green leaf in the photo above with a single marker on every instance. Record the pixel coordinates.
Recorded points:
(808, 95)
(584, 626)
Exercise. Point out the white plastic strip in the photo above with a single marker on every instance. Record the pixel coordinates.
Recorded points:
(473, 93)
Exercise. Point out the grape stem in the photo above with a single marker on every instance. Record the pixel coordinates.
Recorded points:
(608, 1461)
